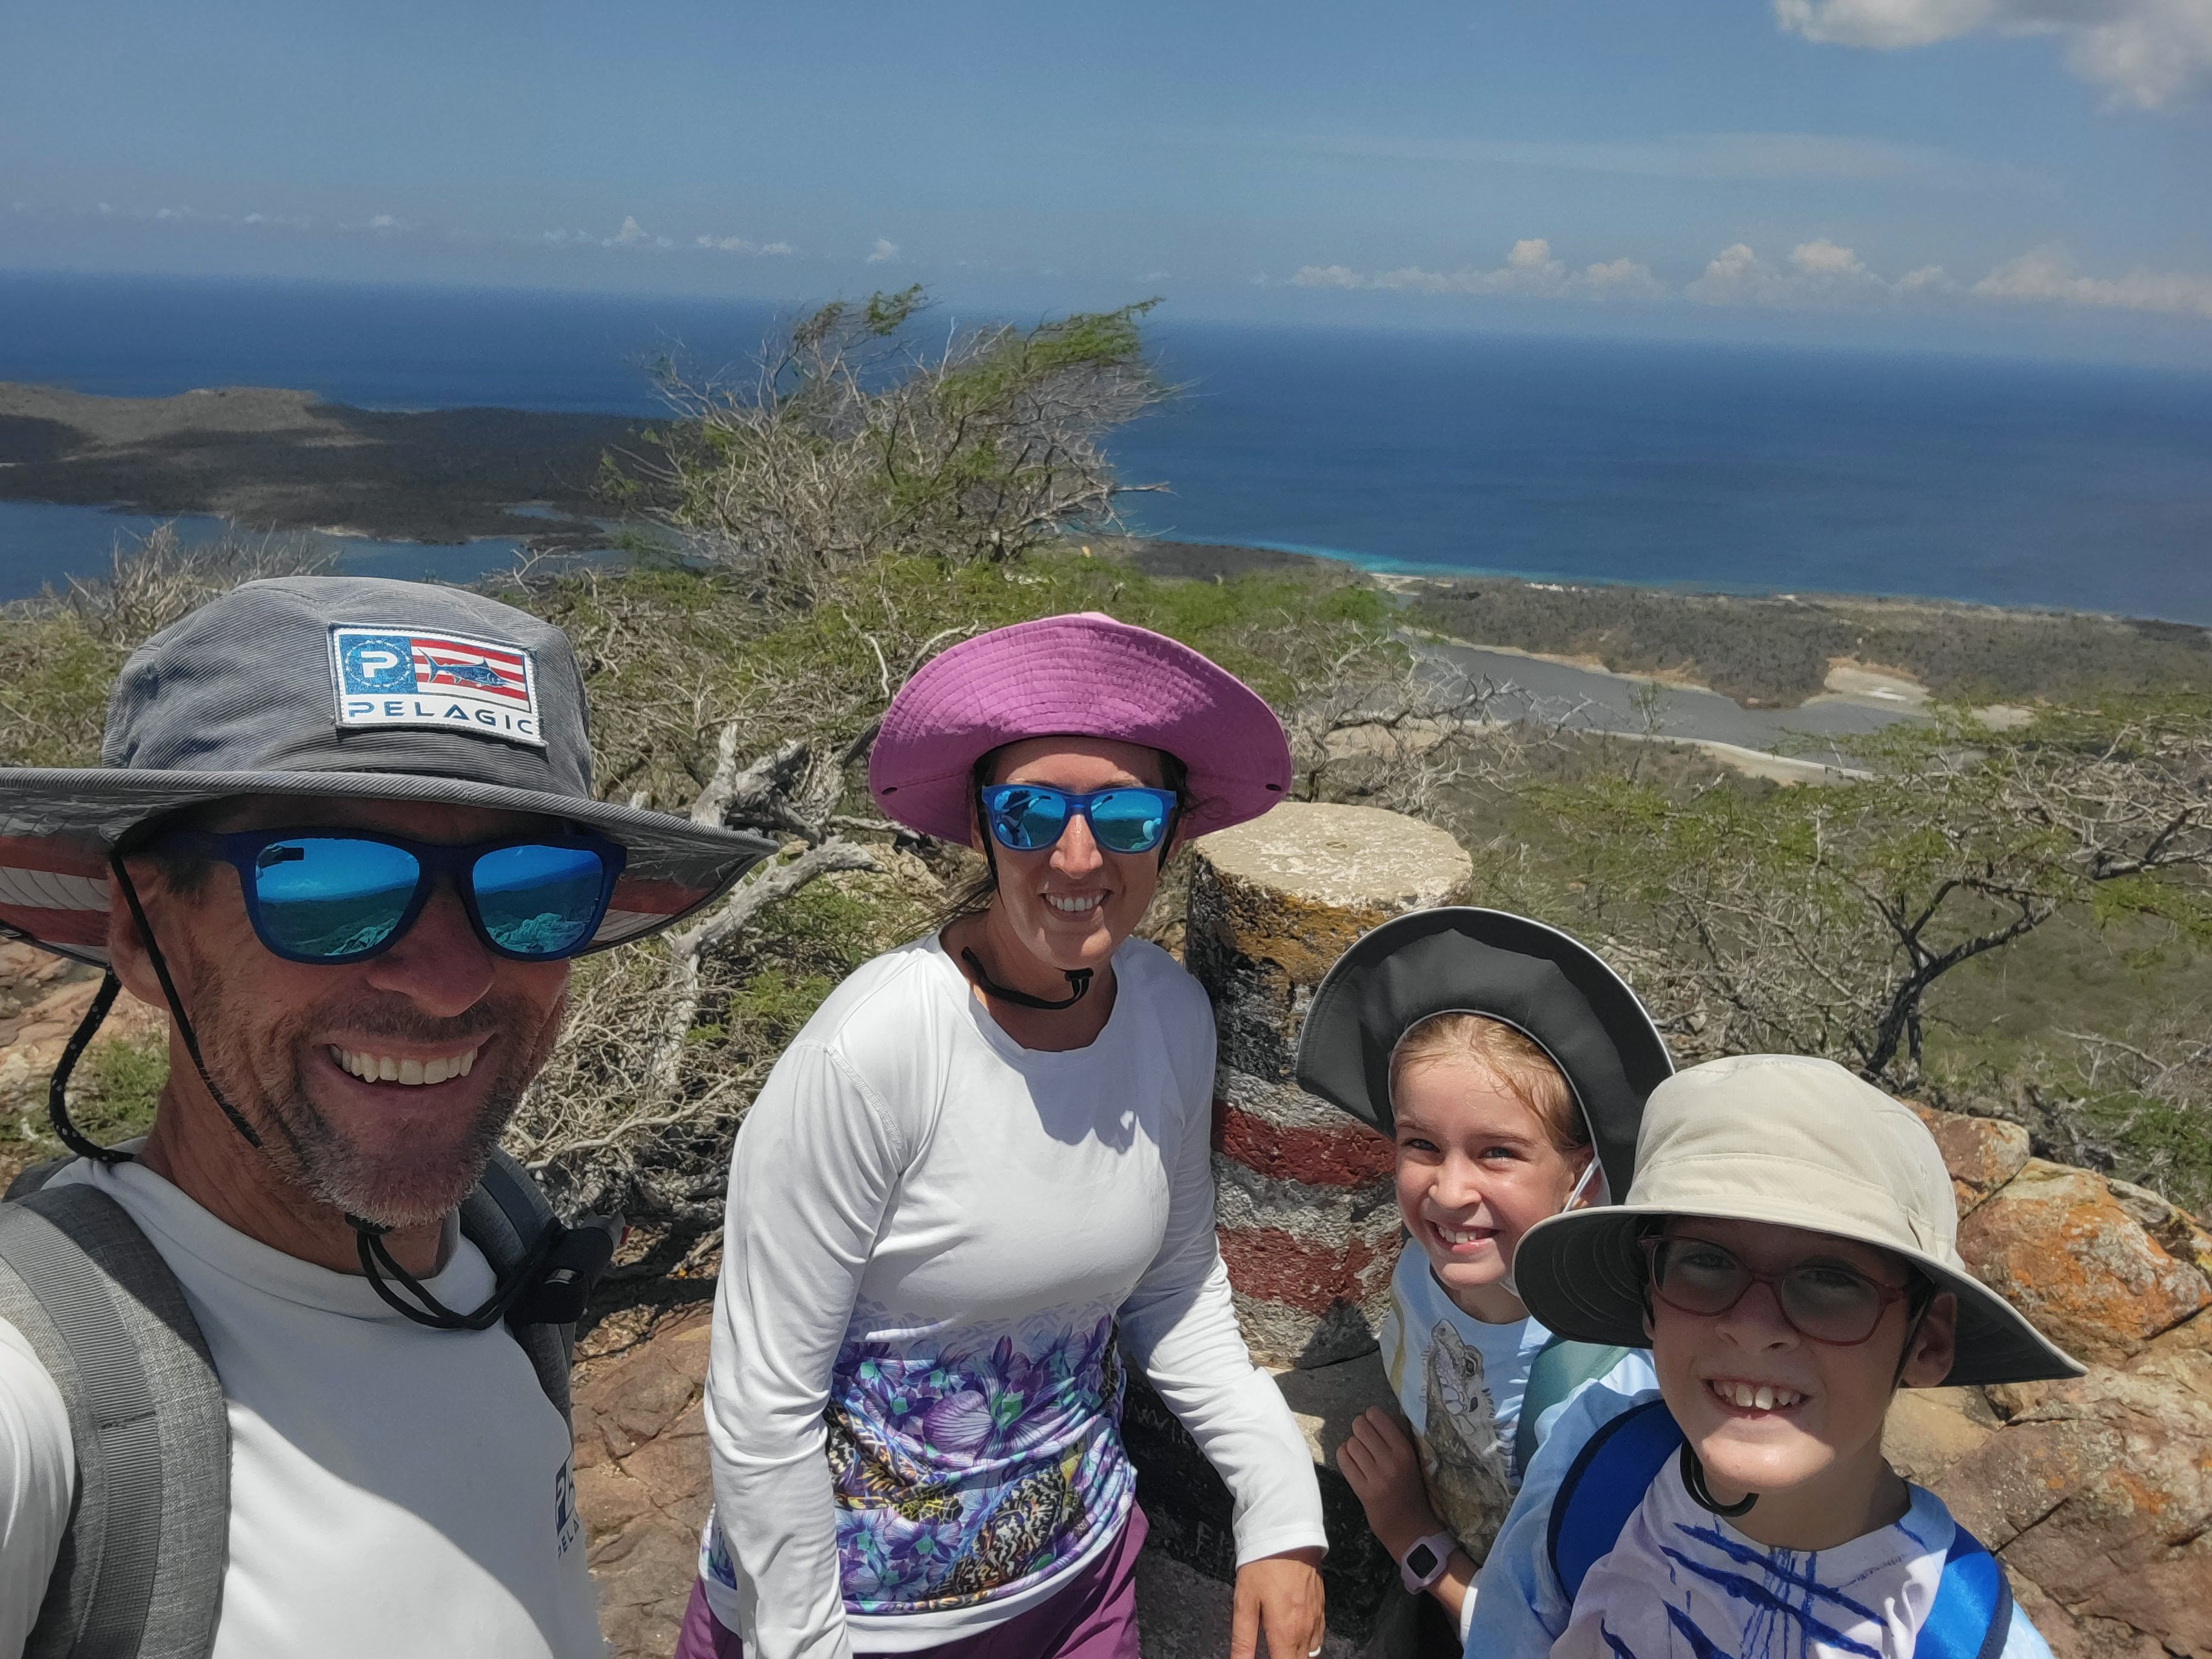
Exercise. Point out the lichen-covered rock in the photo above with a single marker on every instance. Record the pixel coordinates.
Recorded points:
(2175, 1229)
(1981, 1153)
(2058, 1245)
(2099, 1492)
(642, 1484)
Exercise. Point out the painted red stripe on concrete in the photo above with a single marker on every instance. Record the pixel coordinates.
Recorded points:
(1351, 1156)
(1265, 1261)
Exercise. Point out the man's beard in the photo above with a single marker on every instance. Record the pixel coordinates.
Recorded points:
(410, 1186)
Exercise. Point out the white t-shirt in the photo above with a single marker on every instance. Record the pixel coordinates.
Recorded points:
(394, 1491)
(938, 1244)
(1676, 1568)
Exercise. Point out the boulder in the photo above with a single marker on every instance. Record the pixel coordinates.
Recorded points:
(1190, 1560)
(2058, 1244)
(2099, 1492)
(1981, 1153)
(1309, 1223)
(642, 1484)
(1929, 1430)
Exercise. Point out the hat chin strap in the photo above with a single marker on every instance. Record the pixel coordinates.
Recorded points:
(1694, 1477)
(1078, 983)
(368, 1236)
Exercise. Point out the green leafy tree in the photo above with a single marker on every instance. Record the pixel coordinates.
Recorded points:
(854, 440)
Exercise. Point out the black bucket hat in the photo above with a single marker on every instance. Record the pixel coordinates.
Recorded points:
(327, 688)
(1460, 959)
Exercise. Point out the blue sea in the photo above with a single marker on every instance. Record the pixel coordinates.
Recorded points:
(1699, 466)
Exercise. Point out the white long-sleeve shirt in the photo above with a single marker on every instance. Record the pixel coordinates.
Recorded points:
(395, 1493)
(934, 1238)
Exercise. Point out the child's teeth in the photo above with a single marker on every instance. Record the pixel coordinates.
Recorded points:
(1764, 1399)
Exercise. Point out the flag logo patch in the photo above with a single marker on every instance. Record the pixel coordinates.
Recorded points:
(400, 677)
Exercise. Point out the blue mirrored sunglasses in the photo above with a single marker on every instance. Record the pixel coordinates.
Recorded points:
(1026, 816)
(333, 895)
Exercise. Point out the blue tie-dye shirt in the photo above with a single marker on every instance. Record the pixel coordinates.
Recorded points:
(1682, 1583)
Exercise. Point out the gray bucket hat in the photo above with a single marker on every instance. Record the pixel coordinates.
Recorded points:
(1553, 989)
(330, 688)
(1796, 1142)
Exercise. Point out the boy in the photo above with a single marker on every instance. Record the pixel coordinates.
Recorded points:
(1787, 1251)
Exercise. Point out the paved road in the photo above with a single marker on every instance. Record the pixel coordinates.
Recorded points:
(1597, 701)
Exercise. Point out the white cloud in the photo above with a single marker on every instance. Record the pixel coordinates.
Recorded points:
(2148, 53)
(1930, 278)
(779, 249)
(383, 221)
(2048, 275)
(1530, 271)
(629, 235)
(885, 251)
(1817, 273)
(726, 243)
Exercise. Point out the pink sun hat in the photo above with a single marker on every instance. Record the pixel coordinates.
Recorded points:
(1084, 676)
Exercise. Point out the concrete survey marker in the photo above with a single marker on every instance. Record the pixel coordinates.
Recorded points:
(1308, 1219)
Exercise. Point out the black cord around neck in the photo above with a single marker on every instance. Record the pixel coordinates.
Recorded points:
(57, 1091)
(1694, 1477)
(1078, 984)
(368, 1240)
(176, 1005)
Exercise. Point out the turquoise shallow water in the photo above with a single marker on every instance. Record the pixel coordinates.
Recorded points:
(1752, 469)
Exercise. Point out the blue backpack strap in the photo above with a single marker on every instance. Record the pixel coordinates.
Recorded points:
(1606, 1482)
(1971, 1614)
(1559, 1368)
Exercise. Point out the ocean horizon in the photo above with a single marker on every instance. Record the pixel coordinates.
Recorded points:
(1721, 468)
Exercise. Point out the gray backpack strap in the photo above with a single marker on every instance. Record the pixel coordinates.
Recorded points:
(141, 1568)
(503, 1216)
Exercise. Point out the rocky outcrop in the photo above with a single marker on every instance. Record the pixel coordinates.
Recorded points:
(2096, 1493)
(641, 1481)
(2063, 1247)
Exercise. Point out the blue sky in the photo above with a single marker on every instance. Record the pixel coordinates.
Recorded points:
(2020, 174)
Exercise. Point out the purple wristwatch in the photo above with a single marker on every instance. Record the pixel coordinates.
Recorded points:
(1424, 1563)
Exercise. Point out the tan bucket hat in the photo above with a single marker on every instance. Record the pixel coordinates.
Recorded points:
(1793, 1141)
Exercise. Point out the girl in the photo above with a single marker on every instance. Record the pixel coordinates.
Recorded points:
(1508, 1064)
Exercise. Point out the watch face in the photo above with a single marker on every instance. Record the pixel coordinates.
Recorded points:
(1420, 1560)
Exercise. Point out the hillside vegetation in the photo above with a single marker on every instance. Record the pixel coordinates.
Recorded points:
(2014, 922)
(1777, 651)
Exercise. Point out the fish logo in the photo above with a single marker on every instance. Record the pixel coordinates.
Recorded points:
(471, 665)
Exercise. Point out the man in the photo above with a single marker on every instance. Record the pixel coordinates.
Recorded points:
(344, 834)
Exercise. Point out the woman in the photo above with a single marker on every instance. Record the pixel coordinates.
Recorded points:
(979, 1181)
